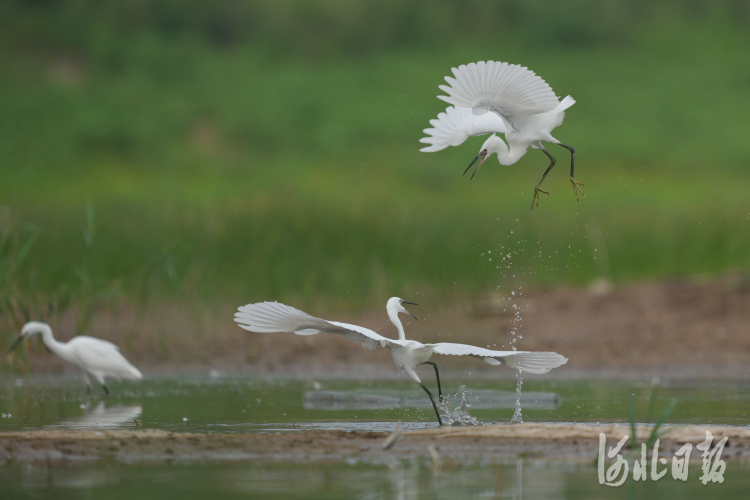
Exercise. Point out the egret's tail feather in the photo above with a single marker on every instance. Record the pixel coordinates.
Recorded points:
(120, 369)
(535, 362)
(565, 104)
(135, 374)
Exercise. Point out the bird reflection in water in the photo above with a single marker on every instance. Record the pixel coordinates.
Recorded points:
(102, 417)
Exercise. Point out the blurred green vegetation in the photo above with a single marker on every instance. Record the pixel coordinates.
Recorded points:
(268, 150)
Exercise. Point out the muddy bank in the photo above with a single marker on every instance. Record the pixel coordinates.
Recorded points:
(692, 327)
(464, 445)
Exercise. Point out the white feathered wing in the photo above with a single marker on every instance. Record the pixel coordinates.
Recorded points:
(511, 91)
(458, 124)
(102, 359)
(529, 362)
(268, 317)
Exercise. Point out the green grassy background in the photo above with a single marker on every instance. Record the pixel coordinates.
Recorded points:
(241, 151)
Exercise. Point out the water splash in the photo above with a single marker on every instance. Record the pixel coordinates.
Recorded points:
(458, 416)
(517, 417)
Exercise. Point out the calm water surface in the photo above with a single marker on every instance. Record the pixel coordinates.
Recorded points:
(522, 479)
(236, 404)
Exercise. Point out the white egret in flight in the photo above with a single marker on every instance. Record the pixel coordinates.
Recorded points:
(269, 317)
(522, 106)
(97, 358)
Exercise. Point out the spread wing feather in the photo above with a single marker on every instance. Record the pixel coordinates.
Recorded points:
(512, 91)
(267, 317)
(458, 124)
(530, 362)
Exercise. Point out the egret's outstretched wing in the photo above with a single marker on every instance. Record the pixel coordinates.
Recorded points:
(530, 362)
(101, 357)
(512, 91)
(268, 317)
(458, 124)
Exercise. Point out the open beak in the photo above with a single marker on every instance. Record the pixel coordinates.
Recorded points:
(16, 343)
(412, 303)
(483, 155)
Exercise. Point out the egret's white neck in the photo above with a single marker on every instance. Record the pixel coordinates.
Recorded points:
(496, 145)
(393, 314)
(59, 348)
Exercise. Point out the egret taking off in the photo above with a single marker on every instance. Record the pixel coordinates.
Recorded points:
(97, 358)
(268, 317)
(522, 106)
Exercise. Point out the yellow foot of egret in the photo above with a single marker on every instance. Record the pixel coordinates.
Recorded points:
(536, 197)
(576, 189)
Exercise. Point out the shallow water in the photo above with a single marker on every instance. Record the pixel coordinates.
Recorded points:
(518, 480)
(239, 404)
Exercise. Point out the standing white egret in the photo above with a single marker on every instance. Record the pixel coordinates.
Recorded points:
(97, 358)
(269, 317)
(527, 107)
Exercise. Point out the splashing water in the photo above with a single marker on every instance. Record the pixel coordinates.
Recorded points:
(516, 322)
(517, 417)
(460, 415)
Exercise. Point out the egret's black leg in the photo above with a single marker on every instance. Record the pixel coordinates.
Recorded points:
(574, 182)
(552, 164)
(437, 376)
(536, 189)
(432, 400)
(87, 379)
(106, 391)
(572, 157)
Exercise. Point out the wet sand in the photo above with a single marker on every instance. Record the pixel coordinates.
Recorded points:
(441, 446)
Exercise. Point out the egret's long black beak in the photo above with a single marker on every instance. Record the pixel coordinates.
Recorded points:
(472, 163)
(412, 303)
(484, 156)
(16, 343)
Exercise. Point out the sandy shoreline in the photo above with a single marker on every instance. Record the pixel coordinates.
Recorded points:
(457, 445)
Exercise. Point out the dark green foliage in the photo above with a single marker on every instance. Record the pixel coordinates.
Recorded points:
(269, 150)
